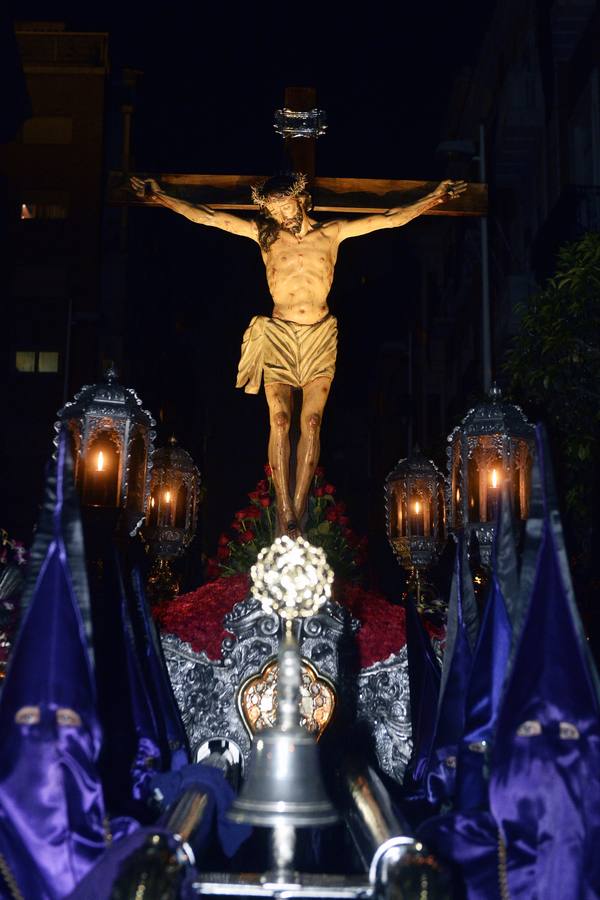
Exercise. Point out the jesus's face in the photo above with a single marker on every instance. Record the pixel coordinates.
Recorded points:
(288, 212)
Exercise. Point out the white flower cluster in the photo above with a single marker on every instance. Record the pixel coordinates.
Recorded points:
(291, 578)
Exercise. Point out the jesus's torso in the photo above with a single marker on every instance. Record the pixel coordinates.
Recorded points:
(300, 273)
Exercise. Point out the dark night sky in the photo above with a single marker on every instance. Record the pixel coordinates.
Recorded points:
(214, 73)
(212, 78)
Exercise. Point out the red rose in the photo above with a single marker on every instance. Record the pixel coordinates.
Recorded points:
(246, 536)
(237, 526)
(265, 501)
(223, 540)
(268, 471)
(319, 491)
(252, 512)
(331, 514)
(223, 552)
(240, 514)
(319, 472)
(262, 486)
(343, 520)
(254, 495)
(329, 489)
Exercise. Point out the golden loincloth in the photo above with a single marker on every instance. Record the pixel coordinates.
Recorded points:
(286, 352)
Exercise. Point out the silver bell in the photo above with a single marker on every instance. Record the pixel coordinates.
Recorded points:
(284, 784)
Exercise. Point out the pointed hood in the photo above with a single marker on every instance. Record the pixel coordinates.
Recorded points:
(490, 663)
(157, 740)
(545, 782)
(461, 636)
(49, 786)
(147, 758)
(424, 677)
(172, 734)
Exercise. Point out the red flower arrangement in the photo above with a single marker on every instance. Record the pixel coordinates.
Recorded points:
(197, 617)
(254, 527)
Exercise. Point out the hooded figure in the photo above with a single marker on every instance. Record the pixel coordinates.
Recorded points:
(51, 798)
(424, 678)
(143, 731)
(468, 836)
(545, 775)
(490, 663)
(172, 736)
(539, 837)
(456, 669)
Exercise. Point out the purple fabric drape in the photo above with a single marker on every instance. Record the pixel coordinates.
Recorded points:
(50, 793)
(424, 676)
(456, 668)
(490, 664)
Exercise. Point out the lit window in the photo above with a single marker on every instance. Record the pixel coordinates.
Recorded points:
(48, 361)
(43, 361)
(25, 360)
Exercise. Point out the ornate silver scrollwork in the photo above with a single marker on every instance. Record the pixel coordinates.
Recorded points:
(384, 710)
(206, 690)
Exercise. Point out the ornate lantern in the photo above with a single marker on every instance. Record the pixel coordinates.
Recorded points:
(494, 442)
(415, 515)
(112, 442)
(171, 521)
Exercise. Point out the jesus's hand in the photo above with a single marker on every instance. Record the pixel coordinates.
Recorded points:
(146, 189)
(449, 190)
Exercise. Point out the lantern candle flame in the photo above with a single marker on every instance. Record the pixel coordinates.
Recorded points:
(494, 478)
(167, 496)
(100, 462)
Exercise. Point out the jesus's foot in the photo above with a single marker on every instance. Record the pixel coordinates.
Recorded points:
(292, 530)
(287, 524)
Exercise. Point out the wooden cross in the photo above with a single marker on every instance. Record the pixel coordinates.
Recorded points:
(331, 195)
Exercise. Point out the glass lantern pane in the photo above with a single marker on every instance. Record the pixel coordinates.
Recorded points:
(153, 511)
(101, 475)
(473, 491)
(181, 508)
(137, 474)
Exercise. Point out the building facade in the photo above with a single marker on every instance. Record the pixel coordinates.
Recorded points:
(52, 174)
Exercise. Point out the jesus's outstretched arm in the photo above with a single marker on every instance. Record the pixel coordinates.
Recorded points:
(195, 212)
(393, 218)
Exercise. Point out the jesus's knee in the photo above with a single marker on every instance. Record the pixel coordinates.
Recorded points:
(281, 421)
(313, 422)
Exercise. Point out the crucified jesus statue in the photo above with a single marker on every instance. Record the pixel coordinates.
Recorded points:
(296, 346)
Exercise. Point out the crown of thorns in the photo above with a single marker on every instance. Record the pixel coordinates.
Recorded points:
(296, 188)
